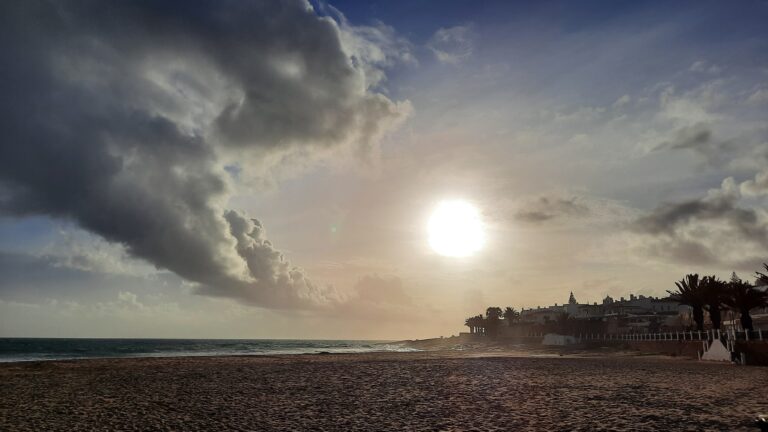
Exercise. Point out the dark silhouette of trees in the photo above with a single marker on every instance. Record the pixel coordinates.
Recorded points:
(689, 293)
(492, 320)
(743, 297)
(714, 294)
(511, 315)
(488, 324)
(475, 324)
(762, 277)
(493, 312)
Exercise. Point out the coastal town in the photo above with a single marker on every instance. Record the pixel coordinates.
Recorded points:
(698, 304)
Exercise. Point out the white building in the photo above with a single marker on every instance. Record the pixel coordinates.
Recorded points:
(640, 306)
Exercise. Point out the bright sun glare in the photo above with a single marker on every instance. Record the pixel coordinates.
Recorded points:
(455, 229)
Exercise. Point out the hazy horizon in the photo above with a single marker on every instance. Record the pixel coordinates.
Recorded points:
(277, 170)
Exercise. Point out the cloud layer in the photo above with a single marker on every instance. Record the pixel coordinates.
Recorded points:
(716, 229)
(544, 209)
(452, 45)
(123, 117)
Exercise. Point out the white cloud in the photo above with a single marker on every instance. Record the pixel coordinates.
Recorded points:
(80, 250)
(719, 229)
(705, 67)
(452, 45)
(759, 96)
(622, 101)
(757, 186)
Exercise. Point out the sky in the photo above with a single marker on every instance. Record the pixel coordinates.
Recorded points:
(256, 169)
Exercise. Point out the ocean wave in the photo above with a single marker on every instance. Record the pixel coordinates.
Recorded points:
(24, 349)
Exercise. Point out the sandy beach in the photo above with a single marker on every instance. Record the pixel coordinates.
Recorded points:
(389, 391)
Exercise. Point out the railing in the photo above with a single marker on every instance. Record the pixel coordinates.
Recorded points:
(705, 335)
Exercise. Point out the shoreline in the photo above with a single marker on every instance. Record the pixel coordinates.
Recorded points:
(13, 350)
(373, 356)
(516, 350)
(453, 347)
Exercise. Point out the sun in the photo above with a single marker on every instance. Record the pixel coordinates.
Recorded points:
(455, 229)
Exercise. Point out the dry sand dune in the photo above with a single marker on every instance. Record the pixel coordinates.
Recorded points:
(413, 391)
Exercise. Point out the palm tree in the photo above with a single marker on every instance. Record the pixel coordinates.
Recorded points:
(480, 321)
(689, 293)
(511, 315)
(469, 322)
(493, 312)
(714, 294)
(744, 297)
(475, 324)
(492, 317)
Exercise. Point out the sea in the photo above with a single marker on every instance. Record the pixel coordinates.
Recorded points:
(35, 349)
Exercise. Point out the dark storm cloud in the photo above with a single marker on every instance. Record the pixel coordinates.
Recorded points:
(279, 283)
(544, 209)
(698, 138)
(706, 230)
(120, 116)
(667, 218)
(691, 137)
(715, 152)
(684, 251)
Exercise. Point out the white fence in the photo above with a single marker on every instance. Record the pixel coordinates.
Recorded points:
(706, 335)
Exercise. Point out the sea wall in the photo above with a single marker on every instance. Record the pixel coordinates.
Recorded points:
(756, 352)
(689, 349)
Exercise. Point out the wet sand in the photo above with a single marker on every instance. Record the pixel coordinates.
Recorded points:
(406, 391)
